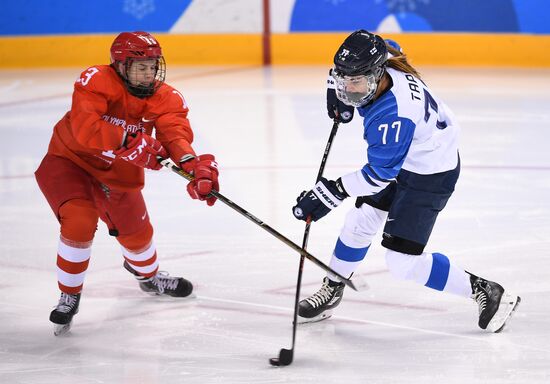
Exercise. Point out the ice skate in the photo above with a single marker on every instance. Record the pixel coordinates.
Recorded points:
(496, 306)
(62, 315)
(319, 306)
(162, 284)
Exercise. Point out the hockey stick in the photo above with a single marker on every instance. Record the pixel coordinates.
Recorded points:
(286, 355)
(170, 165)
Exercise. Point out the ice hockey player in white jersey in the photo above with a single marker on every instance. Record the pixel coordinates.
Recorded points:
(413, 166)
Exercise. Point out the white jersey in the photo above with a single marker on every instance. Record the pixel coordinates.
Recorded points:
(407, 127)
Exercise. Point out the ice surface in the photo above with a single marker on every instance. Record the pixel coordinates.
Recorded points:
(268, 129)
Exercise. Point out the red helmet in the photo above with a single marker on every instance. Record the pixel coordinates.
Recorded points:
(135, 45)
(130, 46)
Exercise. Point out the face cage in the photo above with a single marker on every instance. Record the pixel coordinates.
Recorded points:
(355, 91)
(143, 91)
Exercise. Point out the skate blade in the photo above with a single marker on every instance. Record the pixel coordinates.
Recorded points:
(508, 305)
(61, 329)
(323, 316)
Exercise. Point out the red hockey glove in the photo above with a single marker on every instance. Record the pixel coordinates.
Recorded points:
(205, 170)
(142, 150)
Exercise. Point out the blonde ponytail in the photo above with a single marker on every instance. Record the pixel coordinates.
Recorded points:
(400, 63)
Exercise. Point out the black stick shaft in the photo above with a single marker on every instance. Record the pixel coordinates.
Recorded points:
(169, 164)
(306, 233)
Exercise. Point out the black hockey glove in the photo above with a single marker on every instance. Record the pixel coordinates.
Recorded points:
(335, 108)
(316, 203)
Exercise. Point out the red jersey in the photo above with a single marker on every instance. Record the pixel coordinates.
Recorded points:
(102, 109)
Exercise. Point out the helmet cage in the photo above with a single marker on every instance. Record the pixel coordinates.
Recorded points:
(129, 47)
(144, 90)
(355, 91)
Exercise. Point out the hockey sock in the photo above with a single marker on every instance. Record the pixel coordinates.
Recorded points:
(346, 259)
(434, 270)
(72, 262)
(143, 261)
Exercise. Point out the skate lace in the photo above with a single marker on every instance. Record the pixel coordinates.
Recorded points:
(164, 281)
(66, 303)
(321, 296)
(480, 296)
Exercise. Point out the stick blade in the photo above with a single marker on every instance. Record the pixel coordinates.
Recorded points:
(284, 359)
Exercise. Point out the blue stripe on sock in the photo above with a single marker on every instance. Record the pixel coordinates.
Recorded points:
(440, 272)
(343, 252)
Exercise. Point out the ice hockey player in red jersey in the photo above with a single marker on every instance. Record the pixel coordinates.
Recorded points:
(94, 167)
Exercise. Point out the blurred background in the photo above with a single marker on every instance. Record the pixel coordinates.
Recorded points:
(252, 32)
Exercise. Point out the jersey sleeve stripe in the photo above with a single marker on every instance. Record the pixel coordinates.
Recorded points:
(369, 170)
(368, 179)
(356, 184)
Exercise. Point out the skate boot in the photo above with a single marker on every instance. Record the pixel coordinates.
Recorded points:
(319, 306)
(162, 284)
(62, 315)
(495, 304)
